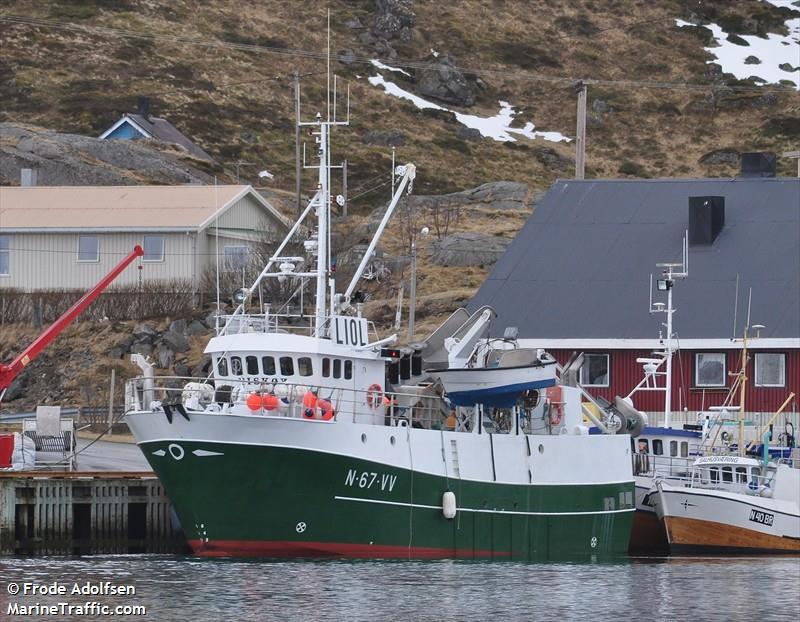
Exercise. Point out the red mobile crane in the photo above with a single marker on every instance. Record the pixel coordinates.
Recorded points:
(9, 372)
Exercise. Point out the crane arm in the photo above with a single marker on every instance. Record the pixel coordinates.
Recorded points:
(11, 371)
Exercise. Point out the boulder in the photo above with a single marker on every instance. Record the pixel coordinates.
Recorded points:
(442, 81)
(469, 133)
(182, 370)
(354, 24)
(391, 138)
(195, 327)
(178, 326)
(144, 332)
(720, 156)
(468, 249)
(71, 159)
(175, 341)
(346, 57)
(394, 19)
(510, 195)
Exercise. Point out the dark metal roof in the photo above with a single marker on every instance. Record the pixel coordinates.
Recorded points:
(581, 265)
(163, 130)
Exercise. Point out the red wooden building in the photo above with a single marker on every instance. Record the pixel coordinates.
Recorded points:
(577, 278)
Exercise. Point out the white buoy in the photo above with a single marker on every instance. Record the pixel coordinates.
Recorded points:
(449, 504)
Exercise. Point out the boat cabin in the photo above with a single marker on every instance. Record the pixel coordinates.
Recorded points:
(733, 474)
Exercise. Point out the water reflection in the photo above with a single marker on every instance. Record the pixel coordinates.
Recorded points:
(181, 588)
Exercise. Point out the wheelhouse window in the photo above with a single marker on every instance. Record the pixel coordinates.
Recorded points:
(287, 366)
(236, 365)
(252, 365)
(304, 366)
(770, 369)
(236, 257)
(88, 248)
(5, 263)
(727, 474)
(153, 248)
(348, 370)
(594, 372)
(268, 362)
(673, 448)
(684, 449)
(337, 368)
(658, 447)
(326, 368)
(222, 366)
(709, 369)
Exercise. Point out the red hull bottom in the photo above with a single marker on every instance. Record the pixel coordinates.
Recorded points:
(276, 548)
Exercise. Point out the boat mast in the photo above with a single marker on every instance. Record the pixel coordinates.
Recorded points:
(323, 207)
(670, 272)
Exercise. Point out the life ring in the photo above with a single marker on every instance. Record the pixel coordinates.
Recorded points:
(326, 409)
(726, 437)
(555, 398)
(374, 395)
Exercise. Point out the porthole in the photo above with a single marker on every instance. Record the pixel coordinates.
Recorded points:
(363, 438)
(541, 449)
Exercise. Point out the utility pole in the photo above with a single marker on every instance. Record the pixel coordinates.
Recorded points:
(580, 134)
(297, 140)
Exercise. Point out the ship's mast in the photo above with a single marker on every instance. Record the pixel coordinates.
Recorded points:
(323, 217)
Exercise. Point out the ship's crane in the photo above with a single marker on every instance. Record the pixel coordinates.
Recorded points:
(9, 372)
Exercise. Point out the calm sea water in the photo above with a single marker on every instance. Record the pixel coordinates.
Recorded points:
(181, 588)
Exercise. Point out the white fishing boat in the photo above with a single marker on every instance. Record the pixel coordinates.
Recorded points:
(732, 504)
(297, 446)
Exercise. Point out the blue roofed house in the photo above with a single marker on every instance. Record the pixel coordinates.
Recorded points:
(141, 125)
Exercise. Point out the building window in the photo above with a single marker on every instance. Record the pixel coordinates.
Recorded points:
(709, 369)
(236, 257)
(153, 248)
(88, 248)
(5, 264)
(594, 372)
(770, 369)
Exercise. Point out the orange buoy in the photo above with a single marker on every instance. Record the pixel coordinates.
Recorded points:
(326, 408)
(270, 401)
(254, 401)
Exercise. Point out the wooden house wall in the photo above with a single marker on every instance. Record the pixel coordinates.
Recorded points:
(626, 373)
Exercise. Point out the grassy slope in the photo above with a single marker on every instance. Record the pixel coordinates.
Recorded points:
(78, 82)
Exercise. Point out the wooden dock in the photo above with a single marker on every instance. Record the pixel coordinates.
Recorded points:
(85, 513)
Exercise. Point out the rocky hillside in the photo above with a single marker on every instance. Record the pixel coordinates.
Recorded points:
(487, 71)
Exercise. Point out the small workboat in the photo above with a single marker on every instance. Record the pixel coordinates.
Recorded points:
(496, 372)
(732, 504)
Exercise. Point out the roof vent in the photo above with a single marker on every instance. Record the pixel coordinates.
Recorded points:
(706, 219)
(758, 164)
(143, 106)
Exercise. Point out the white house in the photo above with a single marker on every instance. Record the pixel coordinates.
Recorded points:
(69, 237)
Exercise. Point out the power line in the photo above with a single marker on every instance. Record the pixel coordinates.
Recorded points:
(313, 55)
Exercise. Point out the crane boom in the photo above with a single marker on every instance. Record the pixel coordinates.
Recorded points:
(9, 372)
